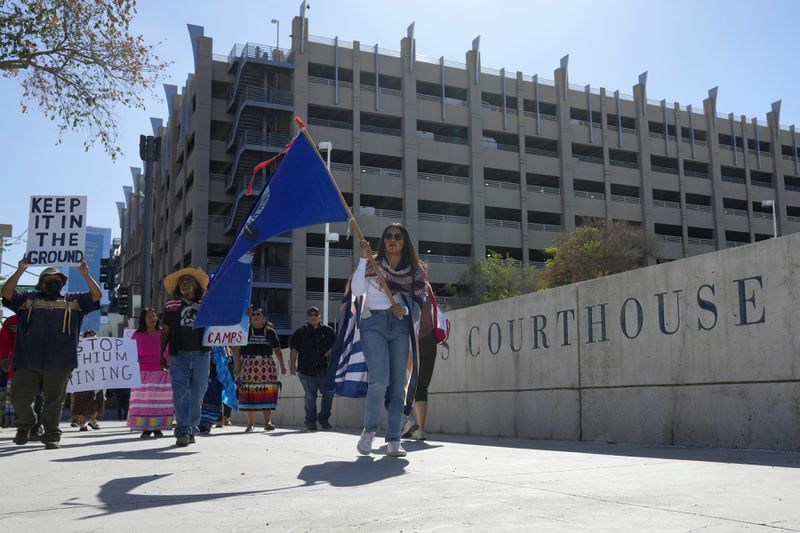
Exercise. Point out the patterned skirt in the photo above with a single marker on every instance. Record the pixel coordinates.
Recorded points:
(151, 406)
(211, 408)
(7, 407)
(259, 385)
(88, 403)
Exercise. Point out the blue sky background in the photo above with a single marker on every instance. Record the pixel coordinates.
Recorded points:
(748, 49)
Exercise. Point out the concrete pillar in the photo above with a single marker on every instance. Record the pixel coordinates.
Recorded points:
(565, 151)
(476, 158)
(714, 171)
(410, 181)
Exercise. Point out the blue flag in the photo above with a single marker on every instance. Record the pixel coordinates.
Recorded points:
(299, 193)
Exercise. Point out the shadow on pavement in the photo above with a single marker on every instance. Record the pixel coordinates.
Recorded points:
(148, 454)
(787, 459)
(116, 496)
(362, 471)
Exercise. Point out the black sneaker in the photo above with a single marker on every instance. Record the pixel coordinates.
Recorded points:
(52, 445)
(325, 425)
(311, 427)
(22, 436)
(183, 441)
(191, 439)
(158, 434)
(145, 435)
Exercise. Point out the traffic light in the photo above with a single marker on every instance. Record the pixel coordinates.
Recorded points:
(105, 273)
(124, 300)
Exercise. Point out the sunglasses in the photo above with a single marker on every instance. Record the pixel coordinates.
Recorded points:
(257, 314)
(393, 235)
(313, 313)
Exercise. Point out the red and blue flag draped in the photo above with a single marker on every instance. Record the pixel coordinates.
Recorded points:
(299, 193)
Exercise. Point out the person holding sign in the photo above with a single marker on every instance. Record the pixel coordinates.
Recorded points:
(46, 347)
(150, 408)
(388, 333)
(190, 361)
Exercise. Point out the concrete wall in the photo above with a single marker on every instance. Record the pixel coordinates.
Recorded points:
(702, 351)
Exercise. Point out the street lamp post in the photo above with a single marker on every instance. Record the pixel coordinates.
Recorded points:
(771, 205)
(277, 33)
(328, 147)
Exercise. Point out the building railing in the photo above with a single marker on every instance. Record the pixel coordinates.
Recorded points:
(625, 199)
(735, 212)
(664, 170)
(541, 189)
(729, 147)
(330, 123)
(494, 184)
(258, 138)
(700, 241)
(499, 223)
(761, 152)
(384, 90)
(667, 203)
(454, 301)
(441, 138)
(333, 252)
(613, 127)
(620, 163)
(217, 219)
(261, 94)
(669, 238)
(443, 178)
(589, 195)
(588, 158)
(541, 151)
(698, 207)
(584, 123)
(342, 167)
(330, 82)
(732, 179)
(765, 184)
(383, 213)
(379, 171)
(761, 214)
(538, 226)
(545, 116)
(381, 130)
(450, 219)
(262, 274)
(447, 259)
(260, 52)
(538, 264)
(217, 177)
(735, 244)
(793, 218)
(320, 295)
(795, 188)
(696, 174)
(498, 109)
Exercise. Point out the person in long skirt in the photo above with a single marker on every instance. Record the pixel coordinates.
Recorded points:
(150, 408)
(257, 371)
(88, 405)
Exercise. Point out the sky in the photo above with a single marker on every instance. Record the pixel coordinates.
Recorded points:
(746, 48)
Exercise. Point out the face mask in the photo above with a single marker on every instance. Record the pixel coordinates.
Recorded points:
(52, 287)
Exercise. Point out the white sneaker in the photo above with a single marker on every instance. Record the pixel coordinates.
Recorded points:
(364, 445)
(395, 449)
(418, 434)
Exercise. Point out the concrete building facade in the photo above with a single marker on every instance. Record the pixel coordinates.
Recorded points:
(469, 158)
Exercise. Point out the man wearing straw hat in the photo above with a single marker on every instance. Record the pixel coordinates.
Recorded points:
(46, 346)
(189, 359)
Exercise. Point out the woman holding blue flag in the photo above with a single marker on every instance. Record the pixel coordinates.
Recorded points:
(388, 329)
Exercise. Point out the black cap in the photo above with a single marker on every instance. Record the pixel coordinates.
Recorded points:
(312, 308)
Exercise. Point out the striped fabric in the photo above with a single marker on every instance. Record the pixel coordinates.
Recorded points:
(151, 405)
(348, 373)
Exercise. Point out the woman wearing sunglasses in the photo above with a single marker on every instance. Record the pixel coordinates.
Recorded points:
(258, 387)
(388, 332)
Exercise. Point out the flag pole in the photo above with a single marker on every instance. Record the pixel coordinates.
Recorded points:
(350, 216)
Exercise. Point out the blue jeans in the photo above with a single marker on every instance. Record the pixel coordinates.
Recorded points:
(385, 341)
(189, 374)
(312, 385)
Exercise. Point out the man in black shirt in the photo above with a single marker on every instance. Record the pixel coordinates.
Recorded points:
(312, 343)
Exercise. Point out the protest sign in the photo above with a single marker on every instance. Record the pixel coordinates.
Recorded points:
(56, 230)
(234, 335)
(105, 363)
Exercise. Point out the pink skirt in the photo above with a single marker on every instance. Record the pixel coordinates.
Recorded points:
(151, 405)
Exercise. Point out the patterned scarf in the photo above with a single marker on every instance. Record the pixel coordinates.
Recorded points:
(406, 281)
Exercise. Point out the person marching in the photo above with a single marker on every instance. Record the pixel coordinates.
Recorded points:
(310, 352)
(388, 333)
(258, 374)
(189, 359)
(46, 347)
(88, 404)
(151, 408)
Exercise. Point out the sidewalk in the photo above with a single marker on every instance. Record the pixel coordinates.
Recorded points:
(291, 480)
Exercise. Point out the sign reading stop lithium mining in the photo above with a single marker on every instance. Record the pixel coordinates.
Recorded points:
(105, 363)
(56, 230)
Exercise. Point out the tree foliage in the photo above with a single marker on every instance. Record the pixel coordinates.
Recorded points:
(495, 277)
(599, 249)
(76, 61)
